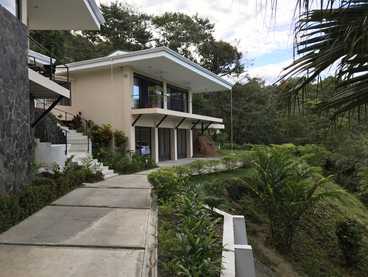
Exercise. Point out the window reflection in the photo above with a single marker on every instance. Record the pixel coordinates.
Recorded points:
(12, 6)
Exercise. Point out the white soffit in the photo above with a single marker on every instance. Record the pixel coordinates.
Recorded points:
(64, 15)
(161, 62)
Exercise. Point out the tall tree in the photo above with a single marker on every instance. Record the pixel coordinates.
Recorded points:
(125, 28)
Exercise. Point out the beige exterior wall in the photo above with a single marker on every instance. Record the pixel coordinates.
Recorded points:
(105, 96)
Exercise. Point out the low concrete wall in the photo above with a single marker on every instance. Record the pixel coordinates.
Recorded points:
(48, 153)
(239, 262)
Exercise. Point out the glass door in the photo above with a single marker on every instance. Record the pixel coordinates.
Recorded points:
(164, 144)
(182, 143)
(143, 141)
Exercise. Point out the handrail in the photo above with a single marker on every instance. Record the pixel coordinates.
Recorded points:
(51, 57)
(66, 140)
(66, 113)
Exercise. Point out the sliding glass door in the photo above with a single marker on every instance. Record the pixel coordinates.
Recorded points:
(164, 144)
(182, 143)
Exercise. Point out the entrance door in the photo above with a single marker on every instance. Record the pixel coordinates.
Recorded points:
(182, 143)
(143, 141)
(163, 144)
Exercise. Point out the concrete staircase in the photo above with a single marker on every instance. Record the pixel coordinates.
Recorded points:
(79, 148)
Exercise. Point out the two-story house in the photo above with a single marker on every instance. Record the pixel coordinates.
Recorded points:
(26, 75)
(147, 94)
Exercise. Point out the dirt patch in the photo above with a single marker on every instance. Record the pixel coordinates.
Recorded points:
(282, 266)
(202, 146)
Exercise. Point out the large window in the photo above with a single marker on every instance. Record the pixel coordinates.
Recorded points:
(147, 92)
(11, 5)
(143, 141)
(177, 99)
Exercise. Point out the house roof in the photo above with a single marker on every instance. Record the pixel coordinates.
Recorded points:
(161, 62)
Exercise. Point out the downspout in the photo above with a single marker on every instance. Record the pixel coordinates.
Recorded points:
(231, 120)
(112, 107)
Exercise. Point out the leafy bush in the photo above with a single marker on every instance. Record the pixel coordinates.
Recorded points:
(218, 138)
(105, 134)
(182, 171)
(245, 158)
(77, 122)
(349, 234)
(165, 184)
(321, 156)
(234, 146)
(212, 164)
(120, 140)
(197, 166)
(230, 162)
(285, 190)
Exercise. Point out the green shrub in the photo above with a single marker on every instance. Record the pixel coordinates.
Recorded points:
(165, 184)
(230, 162)
(105, 134)
(183, 172)
(197, 166)
(349, 234)
(245, 158)
(120, 140)
(212, 164)
(321, 156)
(234, 146)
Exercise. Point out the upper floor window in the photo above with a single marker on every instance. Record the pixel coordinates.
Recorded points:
(11, 5)
(177, 99)
(147, 92)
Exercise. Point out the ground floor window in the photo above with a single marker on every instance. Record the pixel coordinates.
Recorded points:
(182, 143)
(164, 144)
(143, 141)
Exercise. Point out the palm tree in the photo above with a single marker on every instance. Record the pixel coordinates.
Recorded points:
(336, 34)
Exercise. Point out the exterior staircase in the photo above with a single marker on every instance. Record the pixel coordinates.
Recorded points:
(79, 148)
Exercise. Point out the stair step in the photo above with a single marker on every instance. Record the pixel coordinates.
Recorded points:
(107, 172)
(110, 176)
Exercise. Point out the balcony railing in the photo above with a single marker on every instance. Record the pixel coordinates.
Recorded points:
(46, 68)
(174, 104)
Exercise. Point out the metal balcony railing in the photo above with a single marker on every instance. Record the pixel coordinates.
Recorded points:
(174, 104)
(48, 69)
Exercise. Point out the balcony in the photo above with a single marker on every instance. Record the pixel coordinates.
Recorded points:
(174, 107)
(41, 72)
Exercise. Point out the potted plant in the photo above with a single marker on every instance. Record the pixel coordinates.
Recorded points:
(156, 95)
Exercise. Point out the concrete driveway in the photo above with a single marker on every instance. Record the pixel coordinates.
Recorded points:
(102, 229)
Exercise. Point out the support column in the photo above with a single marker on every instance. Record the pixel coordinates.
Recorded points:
(189, 133)
(173, 144)
(165, 96)
(154, 139)
(190, 108)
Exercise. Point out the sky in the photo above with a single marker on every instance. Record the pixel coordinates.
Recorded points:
(266, 40)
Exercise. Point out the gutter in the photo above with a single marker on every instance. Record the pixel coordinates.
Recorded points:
(96, 11)
(150, 51)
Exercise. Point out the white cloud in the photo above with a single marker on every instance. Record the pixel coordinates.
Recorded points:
(271, 72)
(237, 19)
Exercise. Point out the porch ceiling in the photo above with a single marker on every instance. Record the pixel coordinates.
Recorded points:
(175, 114)
(63, 15)
(41, 87)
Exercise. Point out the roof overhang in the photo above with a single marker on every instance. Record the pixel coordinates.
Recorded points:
(64, 15)
(162, 62)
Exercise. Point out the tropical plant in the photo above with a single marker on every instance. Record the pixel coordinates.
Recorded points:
(197, 166)
(333, 34)
(285, 190)
(156, 93)
(120, 140)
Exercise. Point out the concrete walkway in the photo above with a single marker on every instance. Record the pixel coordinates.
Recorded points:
(102, 229)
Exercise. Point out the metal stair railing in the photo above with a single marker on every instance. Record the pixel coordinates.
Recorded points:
(66, 119)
